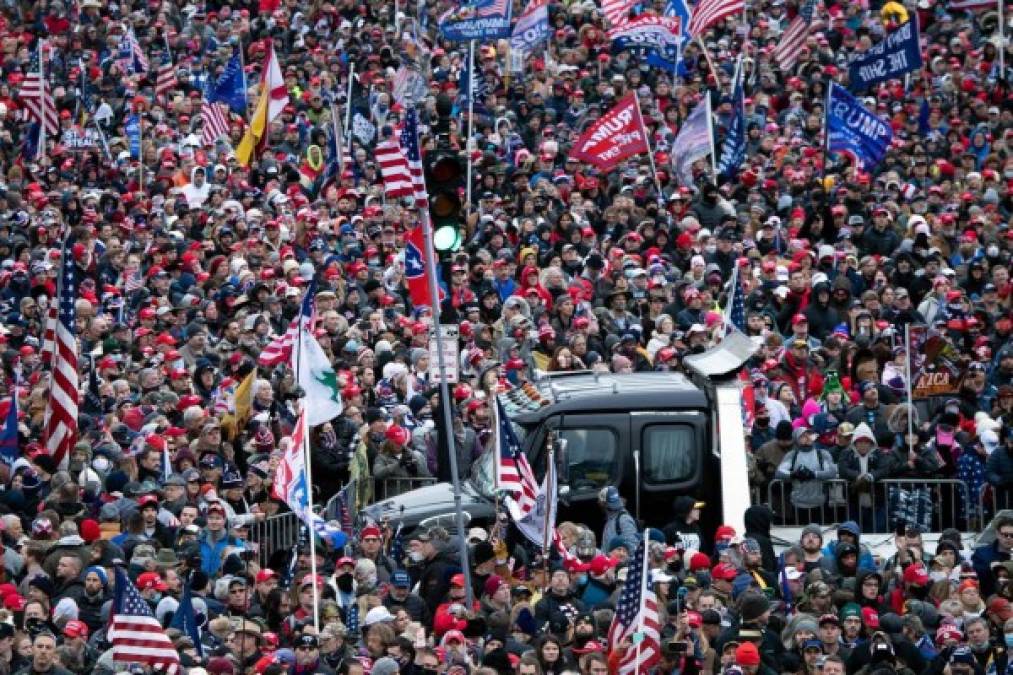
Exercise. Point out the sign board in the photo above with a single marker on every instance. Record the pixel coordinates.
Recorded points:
(77, 139)
(934, 364)
(449, 334)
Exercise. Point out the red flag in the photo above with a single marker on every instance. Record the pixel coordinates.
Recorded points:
(415, 267)
(618, 134)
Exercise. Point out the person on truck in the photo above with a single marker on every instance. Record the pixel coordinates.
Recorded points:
(807, 468)
(618, 521)
(685, 525)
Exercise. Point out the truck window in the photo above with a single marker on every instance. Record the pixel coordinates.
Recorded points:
(591, 458)
(669, 453)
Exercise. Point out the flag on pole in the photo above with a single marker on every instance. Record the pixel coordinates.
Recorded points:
(735, 309)
(230, 88)
(709, 12)
(135, 633)
(273, 99)
(397, 179)
(279, 349)
(314, 372)
(185, 620)
(617, 11)
(9, 447)
(37, 97)
(693, 142)
(415, 267)
(733, 150)
(513, 472)
(239, 407)
(616, 135)
(539, 524)
(793, 39)
(165, 79)
(60, 418)
(636, 618)
(853, 130)
(291, 485)
(410, 147)
(131, 55)
(531, 29)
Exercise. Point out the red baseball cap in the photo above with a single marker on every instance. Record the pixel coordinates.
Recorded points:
(75, 628)
(266, 575)
(870, 617)
(917, 575)
(457, 580)
(149, 580)
(724, 571)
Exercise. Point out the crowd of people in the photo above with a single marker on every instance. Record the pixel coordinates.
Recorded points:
(187, 264)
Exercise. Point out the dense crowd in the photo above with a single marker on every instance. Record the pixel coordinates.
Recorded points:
(188, 264)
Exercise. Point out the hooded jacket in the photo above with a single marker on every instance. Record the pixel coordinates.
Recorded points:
(865, 560)
(807, 493)
(758, 519)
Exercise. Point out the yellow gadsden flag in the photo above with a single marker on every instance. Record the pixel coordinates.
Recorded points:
(273, 99)
(239, 412)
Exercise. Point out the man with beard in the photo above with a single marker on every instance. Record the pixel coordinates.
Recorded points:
(559, 606)
(811, 542)
(752, 561)
(371, 548)
(89, 605)
(399, 596)
(265, 582)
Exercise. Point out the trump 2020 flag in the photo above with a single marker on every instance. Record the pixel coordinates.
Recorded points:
(618, 134)
(659, 34)
(896, 54)
(853, 130)
(314, 372)
(482, 20)
(532, 27)
(538, 525)
(733, 151)
(693, 142)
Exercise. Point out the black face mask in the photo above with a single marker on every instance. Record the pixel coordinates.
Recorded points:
(344, 582)
(762, 422)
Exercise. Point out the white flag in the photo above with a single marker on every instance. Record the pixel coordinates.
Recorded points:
(693, 142)
(363, 129)
(317, 378)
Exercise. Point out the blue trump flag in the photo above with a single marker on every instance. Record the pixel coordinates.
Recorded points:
(9, 451)
(185, 620)
(853, 130)
(898, 53)
(483, 20)
(132, 127)
(532, 28)
(230, 88)
(733, 151)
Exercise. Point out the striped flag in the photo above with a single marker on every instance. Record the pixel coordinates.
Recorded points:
(135, 633)
(38, 99)
(131, 54)
(60, 420)
(637, 613)
(132, 280)
(972, 5)
(215, 117)
(513, 472)
(709, 12)
(279, 349)
(410, 145)
(49, 334)
(794, 37)
(394, 169)
(165, 80)
(617, 11)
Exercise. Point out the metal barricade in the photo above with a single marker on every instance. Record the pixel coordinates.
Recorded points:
(392, 487)
(992, 500)
(275, 533)
(833, 510)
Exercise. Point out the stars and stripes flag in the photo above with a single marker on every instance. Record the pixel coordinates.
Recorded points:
(165, 79)
(794, 37)
(136, 635)
(38, 99)
(394, 169)
(513, 472)
(412, 153)
(215, 117)
(131, 54)
(735, 309)
(60, 420)
(132, 280)
(709, 12)
(637, 613)
(49, 334)
(279, 349)
(617, 11)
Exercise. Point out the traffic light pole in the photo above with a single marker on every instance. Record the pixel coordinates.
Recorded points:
(445, 404)
(471, 119)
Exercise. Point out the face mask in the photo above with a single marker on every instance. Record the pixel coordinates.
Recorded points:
(344, 582)
(371, 580)
(377, 436)
(938, 576)
(416, 556)
(992, 251)
(710, 248)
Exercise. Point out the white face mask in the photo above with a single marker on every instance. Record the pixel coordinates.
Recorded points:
(416, 556)
(938, 576)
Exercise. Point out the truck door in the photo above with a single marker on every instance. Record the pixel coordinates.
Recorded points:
(594, 453)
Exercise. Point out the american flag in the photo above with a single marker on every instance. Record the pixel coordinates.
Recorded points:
(135, 633)
(132, 280)
(513, 473)
(709, 12)
(38, 99)
(215, 117)
(165, 80)
(279, 349)
(131, 54)
(49, 334)
(794, 37)
(344, 506)
(410, 145)
(494, 8)
(60, 420)
(735, 309)
(394, 169)
(637, 612)
(617, 11)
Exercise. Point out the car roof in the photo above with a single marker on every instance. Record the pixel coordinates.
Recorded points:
(585, 391)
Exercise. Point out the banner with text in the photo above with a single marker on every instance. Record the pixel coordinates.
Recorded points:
(853, 130)
(898, 53)
(618, 134)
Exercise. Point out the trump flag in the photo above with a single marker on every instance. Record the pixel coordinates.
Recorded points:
(853, 130)
(618, 134)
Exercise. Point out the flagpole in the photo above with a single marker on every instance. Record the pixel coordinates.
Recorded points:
(445, 403)
(1002, 43)
(825, 146)
(910, 385)
(140, 151)
(348, 103)
(650, 149)
(40, 148)
(309, 474)
(242, 69)
(471, 119)
(710, 135)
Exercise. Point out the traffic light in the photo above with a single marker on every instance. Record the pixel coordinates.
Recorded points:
(445, 175)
